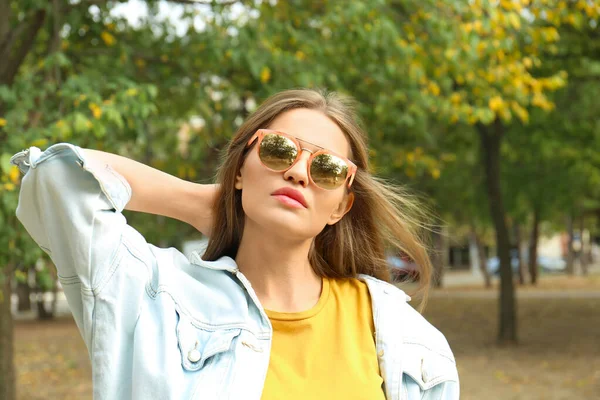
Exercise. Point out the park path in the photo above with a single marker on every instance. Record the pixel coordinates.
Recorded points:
(525, 294)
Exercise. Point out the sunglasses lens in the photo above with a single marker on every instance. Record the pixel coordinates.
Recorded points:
(277, 152)
(328, 171)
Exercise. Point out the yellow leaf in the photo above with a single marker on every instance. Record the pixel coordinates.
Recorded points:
(191, 173)
(181, 171)
(131, 92)
(96, 110)
(435, 173)
(520, 112)
(505, 114)
(496, 103)
(13, 174)
(514, 20)
(455, 98)
(550, 34)
(9, 186)
(433, 88)
(265, 74)
(108, 38)
(2, 122)
(300, 55)
(40, 142)
(480, 48)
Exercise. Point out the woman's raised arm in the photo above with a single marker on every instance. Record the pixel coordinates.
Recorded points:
(157, 192)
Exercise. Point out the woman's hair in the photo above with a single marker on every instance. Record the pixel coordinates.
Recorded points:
(383, 217)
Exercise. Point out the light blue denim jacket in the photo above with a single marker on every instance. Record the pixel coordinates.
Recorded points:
(158, 325)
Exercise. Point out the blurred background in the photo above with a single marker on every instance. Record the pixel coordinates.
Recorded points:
(487, 110)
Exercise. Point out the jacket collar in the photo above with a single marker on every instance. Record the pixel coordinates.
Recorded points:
(222, 264)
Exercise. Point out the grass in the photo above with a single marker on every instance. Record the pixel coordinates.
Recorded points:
(558, 356)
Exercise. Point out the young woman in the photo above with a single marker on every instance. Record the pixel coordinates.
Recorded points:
(289, 300)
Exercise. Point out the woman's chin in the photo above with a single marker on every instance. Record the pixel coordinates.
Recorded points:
(283, 224)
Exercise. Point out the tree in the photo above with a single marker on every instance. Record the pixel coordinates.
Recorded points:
(58, 82)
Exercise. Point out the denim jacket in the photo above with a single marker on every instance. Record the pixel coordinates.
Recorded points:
(158, 325)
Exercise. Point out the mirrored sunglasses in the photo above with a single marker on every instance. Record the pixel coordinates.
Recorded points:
(279, 151)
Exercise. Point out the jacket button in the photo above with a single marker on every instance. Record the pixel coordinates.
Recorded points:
(194, 355)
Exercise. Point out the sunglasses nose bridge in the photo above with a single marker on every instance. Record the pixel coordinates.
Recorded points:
(298, 172)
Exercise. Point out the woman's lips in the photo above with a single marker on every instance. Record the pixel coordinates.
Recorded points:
(288, 201)
(291, 197)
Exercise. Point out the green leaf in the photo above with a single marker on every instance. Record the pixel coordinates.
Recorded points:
(5, 162)
(81, 123)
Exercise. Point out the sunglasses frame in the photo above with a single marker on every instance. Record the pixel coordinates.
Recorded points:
(261, 133)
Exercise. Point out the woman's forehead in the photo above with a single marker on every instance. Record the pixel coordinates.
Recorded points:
(312, 127)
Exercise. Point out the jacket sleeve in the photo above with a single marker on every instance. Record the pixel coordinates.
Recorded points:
(72, 209)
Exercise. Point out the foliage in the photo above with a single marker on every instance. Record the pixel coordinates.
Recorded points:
(427, 75)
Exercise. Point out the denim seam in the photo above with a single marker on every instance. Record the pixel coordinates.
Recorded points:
(452, 359)
(113, 265)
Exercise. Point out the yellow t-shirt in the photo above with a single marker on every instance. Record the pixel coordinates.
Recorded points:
(327, 352)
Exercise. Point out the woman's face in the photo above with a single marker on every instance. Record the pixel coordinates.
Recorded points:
(278, 213)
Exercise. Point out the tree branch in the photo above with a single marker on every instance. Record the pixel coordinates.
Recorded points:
(7, 41)
(4, 19)
(13, 61)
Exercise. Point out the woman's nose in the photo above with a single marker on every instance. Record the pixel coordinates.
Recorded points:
(299, 171)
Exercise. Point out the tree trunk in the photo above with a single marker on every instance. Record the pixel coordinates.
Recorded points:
(533, 245)
(520, 253)
(7, 367)
(54, 292)
(23, 294)
(482, 258)
(438, 257)
(491, 139)
(570, 255)
(583, 261)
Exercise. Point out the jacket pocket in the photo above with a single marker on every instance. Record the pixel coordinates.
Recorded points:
(198, 345)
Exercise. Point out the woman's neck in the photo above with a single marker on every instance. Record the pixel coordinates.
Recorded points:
(279, 271)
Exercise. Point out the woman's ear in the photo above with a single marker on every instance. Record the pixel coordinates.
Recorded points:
(238, 177)
(238, 180)
(342, 209)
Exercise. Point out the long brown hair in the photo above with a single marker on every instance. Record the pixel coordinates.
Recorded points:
(383, 216)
